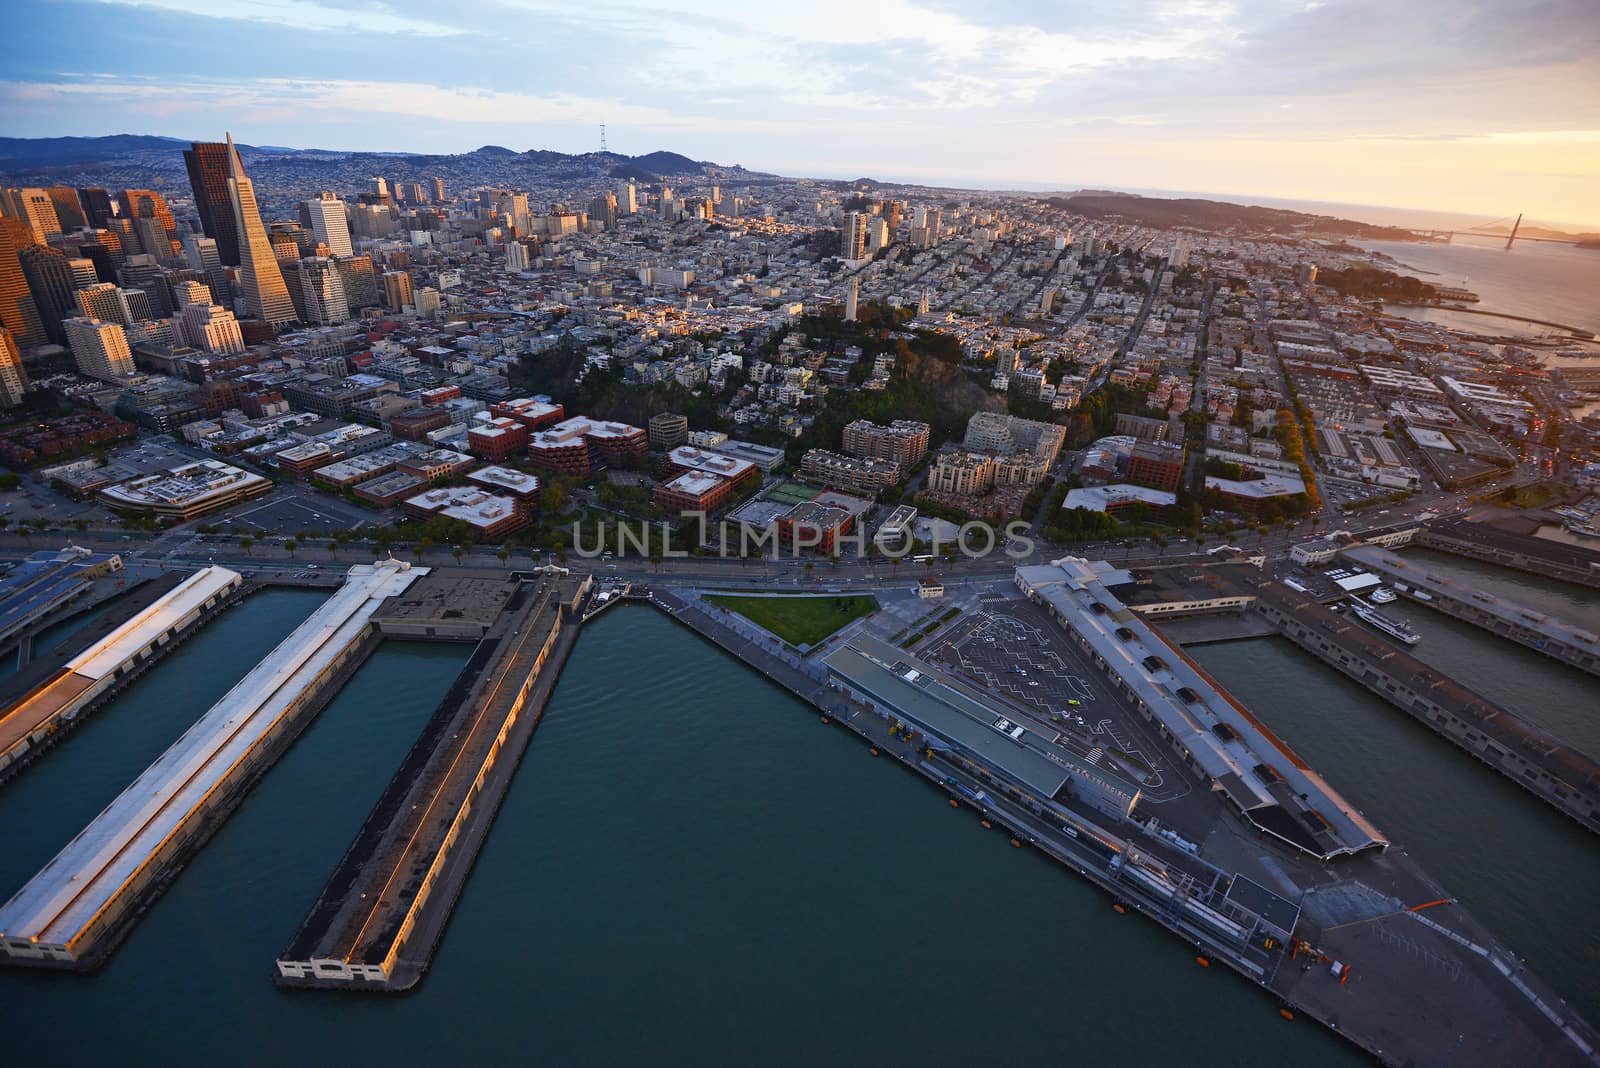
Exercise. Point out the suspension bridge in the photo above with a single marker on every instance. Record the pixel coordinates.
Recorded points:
(1497, 228)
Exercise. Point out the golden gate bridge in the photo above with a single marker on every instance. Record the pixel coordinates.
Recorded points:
(1496, 228)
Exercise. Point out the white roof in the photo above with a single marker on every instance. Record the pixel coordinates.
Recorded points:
(102, 658)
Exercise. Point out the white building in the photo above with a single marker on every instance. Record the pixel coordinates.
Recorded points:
(100, 348)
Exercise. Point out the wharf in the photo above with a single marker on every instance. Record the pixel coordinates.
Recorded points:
(377, 921)
(1425, 990)
(1509, 548)
(1539, 631)
(73, 912)
(1558, 775)
(57, 692)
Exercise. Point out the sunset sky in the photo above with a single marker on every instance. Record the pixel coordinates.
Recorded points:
(1481, 108)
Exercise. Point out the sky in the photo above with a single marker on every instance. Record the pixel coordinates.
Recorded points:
(1487, 109)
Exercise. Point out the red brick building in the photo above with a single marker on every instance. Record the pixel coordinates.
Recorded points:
(820, 525)
(694, 492)
(1156, 464)
(580, 446)
(496, 439)
(533, 414)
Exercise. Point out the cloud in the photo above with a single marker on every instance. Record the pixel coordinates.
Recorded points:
(307, 15)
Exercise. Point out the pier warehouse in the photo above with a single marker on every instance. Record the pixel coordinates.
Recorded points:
(62, 696)
(958, 718)
(71, 913)
(1219, 740)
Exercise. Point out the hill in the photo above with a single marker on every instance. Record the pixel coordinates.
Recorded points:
(1219, 215)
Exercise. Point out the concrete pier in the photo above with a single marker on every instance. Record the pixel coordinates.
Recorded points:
(1523, 552)
(1560, 776)
(72, 913)
(1539, 631)
(49, 697)
(377, 921)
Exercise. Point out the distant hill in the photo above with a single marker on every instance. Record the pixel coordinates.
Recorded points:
(1218, 215)
(63, 151)
(668, 163)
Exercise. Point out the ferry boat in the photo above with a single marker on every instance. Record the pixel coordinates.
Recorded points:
(1394, 628)
(1383, 595)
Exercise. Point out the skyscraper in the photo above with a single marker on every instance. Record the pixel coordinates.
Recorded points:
(51, 281)
(330, 224)
(18, 313)
(69, 209)
(266, 297)
(96, 205)
(438, 190)
(853, 236)
(34, 207)
(323, 288)
(157, 229)
(397, 289)
(100, 349)
(13, 379)
(208, 176)
(203, 256)
(627, 197)
(360, 282)
(211, 327)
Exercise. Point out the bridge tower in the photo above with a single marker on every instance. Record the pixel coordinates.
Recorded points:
(1515, 227)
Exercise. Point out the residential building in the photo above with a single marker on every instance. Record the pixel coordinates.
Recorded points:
(99, 348)
(904, 441)
(668, 430)
(849, 473)
(397, 290)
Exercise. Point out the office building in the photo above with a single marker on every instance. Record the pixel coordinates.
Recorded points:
(69, 209)
(203, 255)
(211, 327)
(360, 282)
(330, 224)
(106, 302)
(52, 282)
(516, 256)
(397, 290)
(99, 348)
(18, 312)
(266, 297)
(603, 210)
(323, 291)
(1156, 464)
(438, 191)
(34, 208)
(627, 197)
(13, 379)
(668, 430)
(96, 205)
(904, 441)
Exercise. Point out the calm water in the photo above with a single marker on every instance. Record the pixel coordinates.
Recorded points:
(1553, 282)
(689, 867)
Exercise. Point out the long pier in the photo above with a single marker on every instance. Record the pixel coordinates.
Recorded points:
(46, 699)
(1521, 552)
(1539, 631)
(377, 921)
(1562, 777)
(1395, 1010)
(72, 913)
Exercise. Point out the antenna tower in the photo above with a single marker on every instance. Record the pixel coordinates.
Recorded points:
(602, 137)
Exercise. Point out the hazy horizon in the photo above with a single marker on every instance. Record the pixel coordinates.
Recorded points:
(1482, 109)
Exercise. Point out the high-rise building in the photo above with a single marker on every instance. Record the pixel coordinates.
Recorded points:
(516, 256)
(212, 328)
(360, 282)
(13, 379)
(52, 283)
(104, 302)
(603, 210)
(18, 312)
(853, 236)
(100, 348)
(96, 205)
(208, 176)
(668, 205)
(438, 190)
(330, 223)
(397, 289)
(69, 209)
(428, 303)
(904, 441)
(266, 297)
(161, 239)
(145, 274)
(187, 293)
(380, 186)
(202, 255)
(627, 197)
(323, 289)
(34, 207)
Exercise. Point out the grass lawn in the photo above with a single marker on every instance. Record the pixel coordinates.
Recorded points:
(798, 620)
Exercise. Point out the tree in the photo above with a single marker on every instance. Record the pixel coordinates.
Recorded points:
(291, 545)
(456, 551)
(503, 555)
(246, 543)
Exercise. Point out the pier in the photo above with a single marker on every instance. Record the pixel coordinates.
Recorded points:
(72, 913)
(47, 698)
(1555, 638)
(377, 921)
(1560, 776)
(1522, 552)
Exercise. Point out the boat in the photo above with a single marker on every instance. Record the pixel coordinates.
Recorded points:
(1394, 628)
(1383, 595)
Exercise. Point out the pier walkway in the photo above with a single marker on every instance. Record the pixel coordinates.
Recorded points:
(71, 913)
(1539, 631)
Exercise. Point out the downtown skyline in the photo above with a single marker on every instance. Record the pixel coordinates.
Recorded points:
(1481, 109)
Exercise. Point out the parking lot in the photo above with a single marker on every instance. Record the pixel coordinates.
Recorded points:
(1011, 648)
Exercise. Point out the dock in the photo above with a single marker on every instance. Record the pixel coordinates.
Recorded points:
(1556, 638)
(376, 923)
(1544, 557)
(49, 697)
(1560, 776)
(73, 912)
